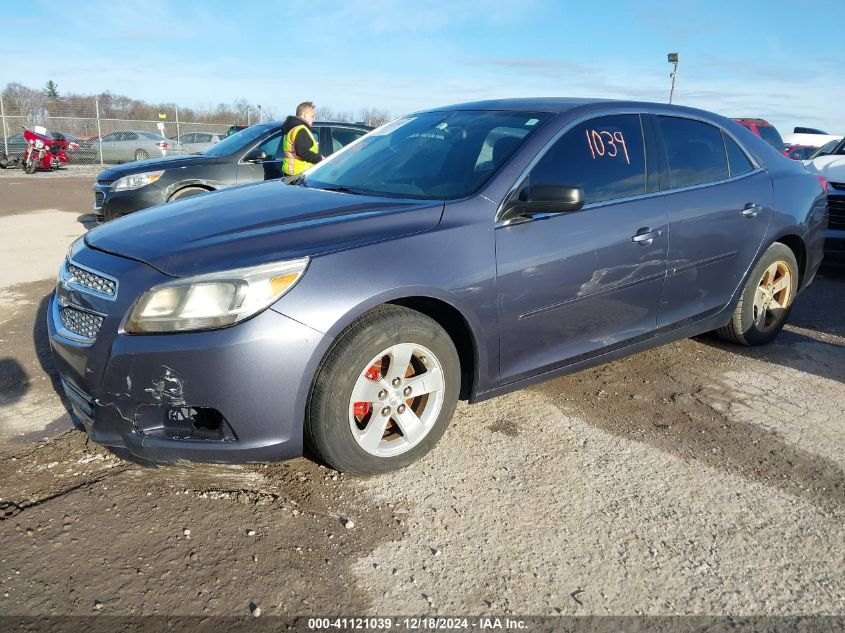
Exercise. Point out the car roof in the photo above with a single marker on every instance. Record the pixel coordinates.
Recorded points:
(360, 126)
(560, 105)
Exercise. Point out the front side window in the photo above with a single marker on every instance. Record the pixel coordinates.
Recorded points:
(604, 156)
(695, 151)
(432, 155)
(271, 146)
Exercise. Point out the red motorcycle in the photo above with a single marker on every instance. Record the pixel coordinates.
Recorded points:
(43, 150)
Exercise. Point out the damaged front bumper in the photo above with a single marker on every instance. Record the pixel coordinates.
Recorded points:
(231, 395)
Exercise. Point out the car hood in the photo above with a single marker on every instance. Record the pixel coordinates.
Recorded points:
(831, 167)
(154, 164)
(257, 224)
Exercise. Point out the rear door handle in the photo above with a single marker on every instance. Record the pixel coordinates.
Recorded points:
(750, 211)
(646, 236)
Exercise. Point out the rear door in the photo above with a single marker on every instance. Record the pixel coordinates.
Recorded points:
(574, 284)
(719, 205)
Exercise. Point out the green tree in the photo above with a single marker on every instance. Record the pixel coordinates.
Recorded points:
(51, 90)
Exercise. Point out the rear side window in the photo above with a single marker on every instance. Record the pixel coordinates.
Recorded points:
(605, 156)
(695, 150)
(738, 162)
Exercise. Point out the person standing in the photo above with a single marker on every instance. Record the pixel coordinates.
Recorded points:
(301, 149)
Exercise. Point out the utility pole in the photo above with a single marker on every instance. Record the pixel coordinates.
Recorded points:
(673, 59)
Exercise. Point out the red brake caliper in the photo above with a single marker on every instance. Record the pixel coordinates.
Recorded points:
(360, 409)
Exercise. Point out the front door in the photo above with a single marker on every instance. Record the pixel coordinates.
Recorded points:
(719, 207)
(574, 284)
(268, 169)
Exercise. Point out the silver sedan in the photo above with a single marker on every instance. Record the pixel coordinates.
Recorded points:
(123, 147)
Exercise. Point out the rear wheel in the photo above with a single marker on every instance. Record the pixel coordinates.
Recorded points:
(766, 299)
(385, 393)
(141, 154)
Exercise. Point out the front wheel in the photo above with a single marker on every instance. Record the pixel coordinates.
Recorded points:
(187, 192)
(384, 394)
(766, 299)
(31, 165)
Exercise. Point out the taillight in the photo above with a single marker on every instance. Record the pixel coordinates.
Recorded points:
(823, 182)
(162, 144)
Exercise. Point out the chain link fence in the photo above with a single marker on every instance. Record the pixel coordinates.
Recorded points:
(108, 141)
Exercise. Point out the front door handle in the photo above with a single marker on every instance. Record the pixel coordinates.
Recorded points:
(750, 211)
(645, 236)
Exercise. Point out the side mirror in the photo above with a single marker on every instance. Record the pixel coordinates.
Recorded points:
(544, 199)
(256, 156)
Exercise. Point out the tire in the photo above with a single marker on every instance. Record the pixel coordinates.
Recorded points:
(187, 192)
(386, 427)
(31, 165)
(772, 282)
(141, 154)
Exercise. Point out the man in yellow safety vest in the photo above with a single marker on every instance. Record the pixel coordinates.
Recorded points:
(300, 147)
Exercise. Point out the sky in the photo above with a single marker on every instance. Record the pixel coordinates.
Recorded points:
(776, 59)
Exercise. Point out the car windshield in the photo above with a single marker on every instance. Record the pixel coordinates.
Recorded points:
(824, 150)
(239, 141)
(433, 155)
(771, 136)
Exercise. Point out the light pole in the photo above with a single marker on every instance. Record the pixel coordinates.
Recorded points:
(673, 59)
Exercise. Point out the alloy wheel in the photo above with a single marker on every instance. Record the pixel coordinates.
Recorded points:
(773, 296)
(396, 400)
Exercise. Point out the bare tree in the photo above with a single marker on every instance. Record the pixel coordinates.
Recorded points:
(375, 117)
(327, 113)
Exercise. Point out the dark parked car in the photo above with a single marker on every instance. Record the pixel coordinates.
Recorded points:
(251, 155)
(234, 129)
(463, 252)
(81, 151)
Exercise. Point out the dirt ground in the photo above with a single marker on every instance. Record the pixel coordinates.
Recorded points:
(697, 478)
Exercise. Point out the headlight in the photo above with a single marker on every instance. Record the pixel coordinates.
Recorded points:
(212, 301)
(136, 181)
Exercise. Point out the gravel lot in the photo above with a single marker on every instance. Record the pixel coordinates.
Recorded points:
(697, 478)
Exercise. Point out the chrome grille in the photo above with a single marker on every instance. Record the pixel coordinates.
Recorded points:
(92, 281)
(81, 323)
(99, 199)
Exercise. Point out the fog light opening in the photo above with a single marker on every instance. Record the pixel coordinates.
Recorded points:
(197, 423)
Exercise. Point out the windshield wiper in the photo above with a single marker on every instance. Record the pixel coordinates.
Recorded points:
(341, 189)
